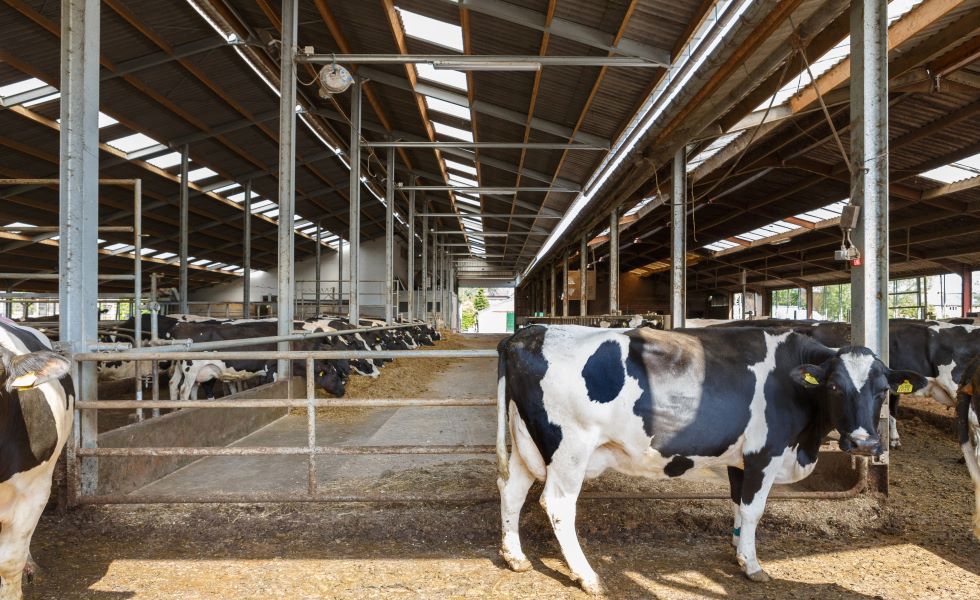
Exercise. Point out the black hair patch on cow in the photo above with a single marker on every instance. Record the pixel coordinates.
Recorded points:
(526, 366)
(643, 407)
(42, 430)
(678, 466)
(603, 372)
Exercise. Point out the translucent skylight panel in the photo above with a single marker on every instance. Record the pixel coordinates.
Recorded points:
(447, 77)
(225, 188)
(967, 168)
(132, 143)
(165, 161)
(462, 200)
(639, 205)
(460, 180)
(457, 166)
(432, 30)
(114, 247)
(20, 87)
(145, 251)
(216, 265)
(105, 120)
(42, 100)
(230, 268)
(261, 205)
(165, 255)
(448, 108)
(201, 262)
(199, 174)
(20, 224)
(453, 132)
(712, 149)
(272, 213)
(750, 236)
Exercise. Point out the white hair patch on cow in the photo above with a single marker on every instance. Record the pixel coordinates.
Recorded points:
(858, 367)
(757, 429)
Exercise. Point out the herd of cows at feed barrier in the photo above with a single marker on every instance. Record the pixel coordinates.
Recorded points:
(755, 399)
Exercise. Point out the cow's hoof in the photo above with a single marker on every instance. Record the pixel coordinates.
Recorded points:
(518, 565)
(759, 576)
(591, 586)
(32, 572)
(895, 444)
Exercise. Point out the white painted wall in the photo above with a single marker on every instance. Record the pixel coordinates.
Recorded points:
(372, 272)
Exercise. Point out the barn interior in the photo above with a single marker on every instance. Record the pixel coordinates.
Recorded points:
(609, 163)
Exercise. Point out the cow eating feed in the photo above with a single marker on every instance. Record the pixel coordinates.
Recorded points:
(756, 402)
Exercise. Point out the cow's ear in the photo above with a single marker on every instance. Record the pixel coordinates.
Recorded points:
(906, 382)
(809, 376)
(31, 370)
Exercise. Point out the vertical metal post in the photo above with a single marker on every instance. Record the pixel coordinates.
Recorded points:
(869, 187)
(340, 274)
(247, 254)
(79, 211)
(564, 284)
(184, 230)
(869, 176)
(354, 310)
(967, 287)
(137, 286)
(583, 288)
(614, 262)
(389, 236)
(678, 240)
(553, 309)
(319, 232)
(154, 335)
(425, 266)
(411, 255)
(287, 172)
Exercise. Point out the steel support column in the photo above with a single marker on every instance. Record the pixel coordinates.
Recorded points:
(678, 240)
(411, 256)
(78, 248)
(553, 309)
(967, 279)
(869, 190)
(614, 262)
(869, 178)
(286, 283)
(316, 294)
(564, 284)
(247, 253)
(354, 309)
(390, 237)
(184, 229)
(425, 269)
(340, 273)
(583, 288)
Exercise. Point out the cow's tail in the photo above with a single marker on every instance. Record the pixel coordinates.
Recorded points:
(502, 459)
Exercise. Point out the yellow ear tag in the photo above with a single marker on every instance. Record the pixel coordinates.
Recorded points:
(807, 377)
(25, 381)
(905, 387)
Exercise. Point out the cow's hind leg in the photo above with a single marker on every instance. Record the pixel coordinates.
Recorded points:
(562, 484)
(759, 475)
(894, 441)
(513, 492)
(735, 484)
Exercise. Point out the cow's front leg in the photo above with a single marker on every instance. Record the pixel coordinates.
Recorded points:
(15, 536)
(759, 475)
(513, 492)
(32, 571)
(562, 484)
(894, 440)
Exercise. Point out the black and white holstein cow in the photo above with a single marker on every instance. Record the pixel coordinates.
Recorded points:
(968, 424)
(36, 406)
(329, 375)
(675, 404)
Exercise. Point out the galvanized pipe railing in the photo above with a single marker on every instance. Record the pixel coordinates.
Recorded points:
(79, 451)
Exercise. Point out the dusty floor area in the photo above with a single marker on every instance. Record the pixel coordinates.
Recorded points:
(916, 545)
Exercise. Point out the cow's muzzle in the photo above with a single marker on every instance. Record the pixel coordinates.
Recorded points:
(870, 446)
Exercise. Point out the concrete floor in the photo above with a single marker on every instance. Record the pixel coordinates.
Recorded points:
(474, 378)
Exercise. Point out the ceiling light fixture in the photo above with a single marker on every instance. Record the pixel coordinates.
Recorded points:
(463, 65)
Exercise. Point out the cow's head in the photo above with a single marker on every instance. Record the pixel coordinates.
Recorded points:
(855, 383)
(331, 376)
(26, 371)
